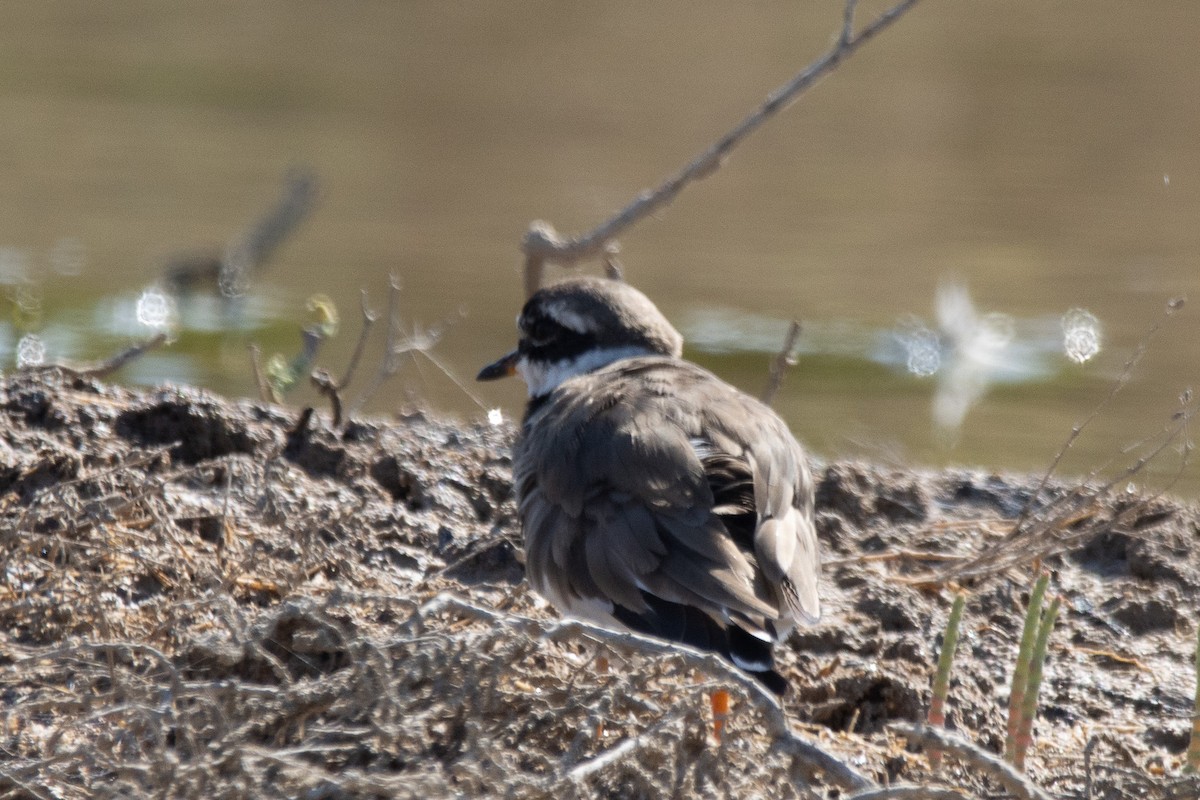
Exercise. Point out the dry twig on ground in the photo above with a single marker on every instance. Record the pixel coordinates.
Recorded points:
(324, 382)
(1053, 523)
(929, 736)
(810, 758)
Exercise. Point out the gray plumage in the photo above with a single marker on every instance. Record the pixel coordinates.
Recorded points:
(652, 494)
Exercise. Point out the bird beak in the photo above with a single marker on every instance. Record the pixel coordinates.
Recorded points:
(504, 367)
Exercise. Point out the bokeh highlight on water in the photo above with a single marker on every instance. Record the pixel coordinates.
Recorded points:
(976, 220)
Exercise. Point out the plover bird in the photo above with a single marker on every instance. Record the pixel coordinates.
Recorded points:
(653, 496)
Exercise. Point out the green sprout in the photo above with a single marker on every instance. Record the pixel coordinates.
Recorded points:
(1028, 672)
(283, 374)
(941, 682)
(1192, 765)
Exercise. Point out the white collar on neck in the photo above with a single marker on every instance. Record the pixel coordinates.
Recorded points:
(542, 377)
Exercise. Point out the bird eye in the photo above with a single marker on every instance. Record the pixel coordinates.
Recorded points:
(541, 331)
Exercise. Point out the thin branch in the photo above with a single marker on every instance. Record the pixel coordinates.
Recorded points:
(1016, 783)
(324, 383)
(848, 23)
(437, 362)
(543, 244)
(907, 792)
(786, 357)
(368, 319)
(399, 343)
(99, 369)
(1057, 526)
(251, 250)
(389, 362)
(265, 393)
(582, 771)
(1126, 373)
(124, 357)
(804, 752)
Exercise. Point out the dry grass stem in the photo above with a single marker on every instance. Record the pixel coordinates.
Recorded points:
(265, 393)
(204, 600)
(911, 793)
(1123, 378)
(324, 383)
(1050, 523)
(401, 343)
(812, 757)
(1013, 781)
(230, 271)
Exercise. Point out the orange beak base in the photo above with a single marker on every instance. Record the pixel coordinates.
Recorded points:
(503, 368)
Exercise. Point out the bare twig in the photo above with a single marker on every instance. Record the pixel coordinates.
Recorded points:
(1061, 524)
(1126, 373)
(906, 792)
(324, 383)
(125, 649)
(848, 22)
(252, 249)
(612, 267)
(99, 369)
(786, 357)
(369, 318)
(296, 201)
(265, 393)
(583, 771)
(124, 357)
(785, 740)
(420, 342)
(389, 363)
(231, 270)
(543, 244)
(1016, 783)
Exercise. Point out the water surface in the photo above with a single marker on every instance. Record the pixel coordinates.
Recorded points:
(1039, 157)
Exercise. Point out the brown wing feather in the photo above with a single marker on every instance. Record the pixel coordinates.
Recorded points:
(615, 499)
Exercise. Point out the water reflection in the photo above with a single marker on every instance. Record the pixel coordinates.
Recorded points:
(31, 351)
(965, 352)
(42, 324)
(67, 257)
(156, 310)
(1081, 335)
(1051, 165)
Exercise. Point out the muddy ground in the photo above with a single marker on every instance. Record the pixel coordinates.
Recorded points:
(217, 599)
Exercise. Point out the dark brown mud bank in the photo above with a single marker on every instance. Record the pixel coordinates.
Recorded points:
(202, 599)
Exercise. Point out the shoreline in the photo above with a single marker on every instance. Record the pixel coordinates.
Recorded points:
(201, 595)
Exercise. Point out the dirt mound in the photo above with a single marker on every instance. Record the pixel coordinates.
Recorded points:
(202, 599)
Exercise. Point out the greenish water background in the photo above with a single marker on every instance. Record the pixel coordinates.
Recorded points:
(1044, 156)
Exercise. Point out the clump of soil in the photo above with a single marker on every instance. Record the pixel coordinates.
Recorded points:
(202, 599)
